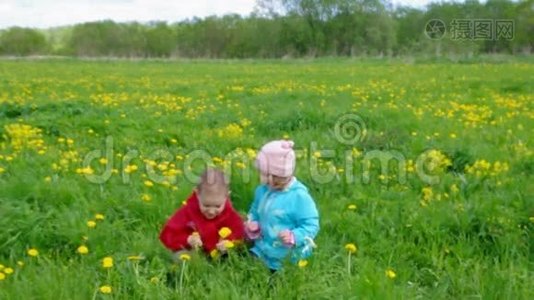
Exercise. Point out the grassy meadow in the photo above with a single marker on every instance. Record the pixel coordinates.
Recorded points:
(425, 168)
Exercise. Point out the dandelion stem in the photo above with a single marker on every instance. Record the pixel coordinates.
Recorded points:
(136, 270)
(182, 277)
(348, 263)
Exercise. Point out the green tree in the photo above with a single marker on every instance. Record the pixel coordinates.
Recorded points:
(160, 40)
(524, 27)
(22, 41)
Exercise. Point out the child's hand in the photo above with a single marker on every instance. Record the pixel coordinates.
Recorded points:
(223, 245)
(252, 229)
(194, 240)
(253, 226)
(287, 237)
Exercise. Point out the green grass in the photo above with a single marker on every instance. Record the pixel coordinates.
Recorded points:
(463, 236)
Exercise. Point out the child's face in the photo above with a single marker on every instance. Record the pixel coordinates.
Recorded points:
(264, 178)
(274, 182)
(211, 205)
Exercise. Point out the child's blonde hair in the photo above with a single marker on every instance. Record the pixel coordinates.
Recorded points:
(213, 181)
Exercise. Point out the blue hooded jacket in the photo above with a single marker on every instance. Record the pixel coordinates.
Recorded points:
(293, 209)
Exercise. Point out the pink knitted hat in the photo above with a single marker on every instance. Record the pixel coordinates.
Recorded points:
(277, 158)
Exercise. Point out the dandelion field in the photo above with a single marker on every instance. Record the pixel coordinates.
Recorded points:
(95, 156)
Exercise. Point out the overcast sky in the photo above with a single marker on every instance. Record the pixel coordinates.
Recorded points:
(50, 13)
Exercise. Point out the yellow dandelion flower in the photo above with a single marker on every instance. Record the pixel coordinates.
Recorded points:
(229, 244)
(251, 152)
(20, 263)
(91, 224)
(146, 198)
(2, 276)
(107, 262)
(8, 271)
(390, 274)
(130, 169)
(454, 189)
(427, 193)
(103, 161)
(86, 171)
(214, 253)
(302, 263)
(231, 131)
(2, 170)
(136, 257)
(352, 207)
(351, 248)
(99, 217)
(185, 257)
(225, 232)
(33, 252)
(82, 250)
(105, 289)
(149, 183)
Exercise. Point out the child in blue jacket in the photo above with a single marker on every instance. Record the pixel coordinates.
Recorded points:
(283, 219)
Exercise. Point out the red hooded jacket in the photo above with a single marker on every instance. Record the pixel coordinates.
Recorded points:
(189, 218)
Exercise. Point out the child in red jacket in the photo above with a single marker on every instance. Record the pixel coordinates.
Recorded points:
(207, 221)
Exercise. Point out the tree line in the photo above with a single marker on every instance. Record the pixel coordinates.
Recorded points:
(297, 28)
